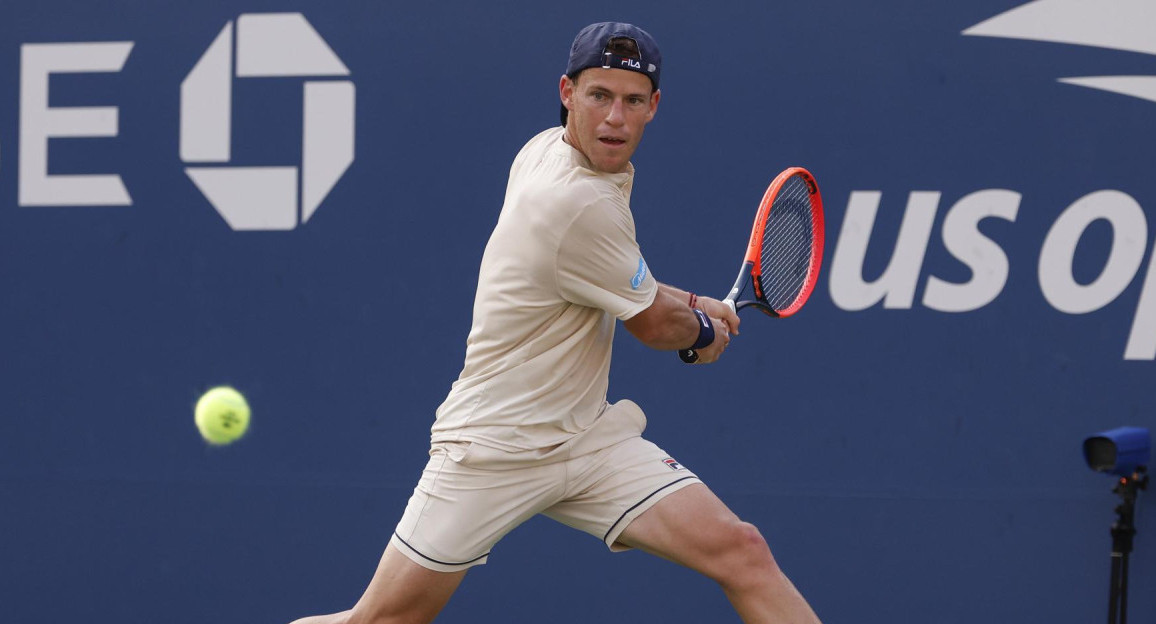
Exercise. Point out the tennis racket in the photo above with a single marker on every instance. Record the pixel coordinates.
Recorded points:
(785, 252)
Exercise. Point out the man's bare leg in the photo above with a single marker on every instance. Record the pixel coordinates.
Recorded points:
(332, 618)
(401, 592)
(692, 527)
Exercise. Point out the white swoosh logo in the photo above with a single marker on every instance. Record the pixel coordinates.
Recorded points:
(1118, 25)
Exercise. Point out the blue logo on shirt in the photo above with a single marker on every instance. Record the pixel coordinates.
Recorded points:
(640, 275)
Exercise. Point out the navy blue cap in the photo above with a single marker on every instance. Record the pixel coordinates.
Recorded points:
(589, 50)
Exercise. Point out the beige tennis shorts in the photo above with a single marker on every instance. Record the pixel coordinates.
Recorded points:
(470, 495)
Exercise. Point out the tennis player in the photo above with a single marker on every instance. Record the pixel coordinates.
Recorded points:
(526, 428)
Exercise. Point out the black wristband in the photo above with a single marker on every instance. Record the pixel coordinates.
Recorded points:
(705, 330)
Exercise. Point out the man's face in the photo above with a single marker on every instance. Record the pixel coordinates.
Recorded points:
(608, 110)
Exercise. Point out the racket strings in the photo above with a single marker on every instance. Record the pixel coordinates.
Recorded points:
(785, 260)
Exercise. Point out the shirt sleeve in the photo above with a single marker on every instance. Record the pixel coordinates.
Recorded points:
(599, 262)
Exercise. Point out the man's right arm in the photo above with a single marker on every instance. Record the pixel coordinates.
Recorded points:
(670, 324)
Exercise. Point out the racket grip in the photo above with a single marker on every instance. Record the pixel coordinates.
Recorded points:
(690, 356)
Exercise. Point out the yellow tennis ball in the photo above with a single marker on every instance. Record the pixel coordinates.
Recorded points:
(222, 415)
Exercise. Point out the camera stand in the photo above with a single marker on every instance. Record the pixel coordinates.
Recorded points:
(1122, 531)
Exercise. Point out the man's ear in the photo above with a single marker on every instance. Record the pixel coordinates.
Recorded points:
(654, 97)
(566, 91)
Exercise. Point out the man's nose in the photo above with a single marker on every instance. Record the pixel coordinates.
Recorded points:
(616, 115)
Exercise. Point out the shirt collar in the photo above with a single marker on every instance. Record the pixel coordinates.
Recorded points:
(624, 180)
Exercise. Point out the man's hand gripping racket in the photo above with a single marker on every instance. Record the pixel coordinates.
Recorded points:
(785, 252)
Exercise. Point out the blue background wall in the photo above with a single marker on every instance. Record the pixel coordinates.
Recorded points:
(907, 465)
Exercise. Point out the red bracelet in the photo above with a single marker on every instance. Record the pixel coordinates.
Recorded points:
(693, 299)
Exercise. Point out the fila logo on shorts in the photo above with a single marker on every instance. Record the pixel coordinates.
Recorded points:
(669, 461)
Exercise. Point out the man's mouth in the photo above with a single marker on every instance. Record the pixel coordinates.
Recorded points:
(612, 141)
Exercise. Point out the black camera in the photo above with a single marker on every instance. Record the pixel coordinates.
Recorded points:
(1121, 451)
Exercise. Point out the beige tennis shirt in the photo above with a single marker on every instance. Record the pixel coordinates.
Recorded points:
(561, 265)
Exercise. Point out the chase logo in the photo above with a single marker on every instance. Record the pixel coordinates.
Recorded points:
(1119, 25)
(267, 198)
(639, 275)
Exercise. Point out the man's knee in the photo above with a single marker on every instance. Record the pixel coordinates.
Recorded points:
(366, 616)
(416, 614)
(362, 616)
(744, 557)
(333, 618)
